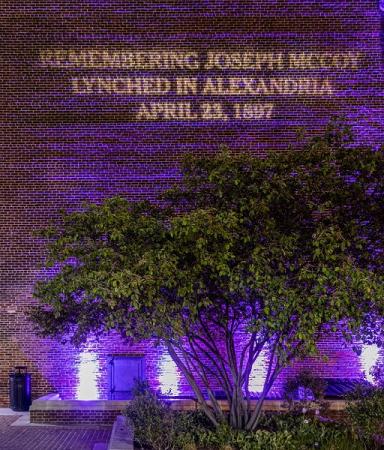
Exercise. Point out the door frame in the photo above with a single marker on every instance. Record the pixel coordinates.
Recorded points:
(111, 371)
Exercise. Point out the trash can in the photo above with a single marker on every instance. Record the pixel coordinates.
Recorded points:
(20, 389)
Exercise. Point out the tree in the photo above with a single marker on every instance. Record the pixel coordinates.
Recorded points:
(246, 255)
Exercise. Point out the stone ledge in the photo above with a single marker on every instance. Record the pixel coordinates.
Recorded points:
(55, 404)
(122, 435)
(51, 410)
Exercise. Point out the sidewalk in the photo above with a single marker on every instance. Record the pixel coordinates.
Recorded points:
(40, 437)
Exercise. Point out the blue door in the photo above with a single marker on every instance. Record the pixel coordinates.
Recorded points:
(123, 371)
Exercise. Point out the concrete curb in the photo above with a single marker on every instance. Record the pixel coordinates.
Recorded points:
(122, 435)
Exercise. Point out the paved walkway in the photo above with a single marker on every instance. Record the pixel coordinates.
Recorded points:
(49, 438)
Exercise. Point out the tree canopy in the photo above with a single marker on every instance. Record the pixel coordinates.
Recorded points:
(245, 255)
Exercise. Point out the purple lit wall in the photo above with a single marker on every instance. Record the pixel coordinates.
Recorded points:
(62, 143)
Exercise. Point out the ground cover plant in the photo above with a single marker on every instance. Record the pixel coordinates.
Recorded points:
(365, 413)
(158, 427)
(246, 255)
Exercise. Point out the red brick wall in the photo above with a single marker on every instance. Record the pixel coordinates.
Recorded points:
(335, 411)
(69, 417)
(58, 149)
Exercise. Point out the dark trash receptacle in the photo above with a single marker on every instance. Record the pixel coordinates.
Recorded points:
(20, 389)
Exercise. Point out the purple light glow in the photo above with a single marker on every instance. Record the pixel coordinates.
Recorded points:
(368, 358)
(258, 374)
(169, 375)
(88, 369)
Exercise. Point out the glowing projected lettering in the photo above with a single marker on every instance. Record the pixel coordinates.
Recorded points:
(119, 59)
(244, 61)
(191, 85)
(211, 86)
(186, 86)
(248, 111)
(192, 60)
(262, 86)
(166, 111)
(314, 61)
(121, 86)
(205, 111)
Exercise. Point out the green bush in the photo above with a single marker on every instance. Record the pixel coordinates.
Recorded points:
(365, 412)
(325, 436)
(151, 418)
(156, 426)
(305, 393)
(226, 438)
(309, 433)
(283, 432)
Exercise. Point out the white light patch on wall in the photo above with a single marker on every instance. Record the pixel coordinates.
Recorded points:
(368, 358)
(169, 376)
(87, 376)
(258, 374)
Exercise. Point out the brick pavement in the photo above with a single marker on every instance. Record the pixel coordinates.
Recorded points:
(49, 438)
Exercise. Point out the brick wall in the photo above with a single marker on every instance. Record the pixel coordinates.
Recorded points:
(64, 417)
(67, 417)
(103, 416)
(59, 148)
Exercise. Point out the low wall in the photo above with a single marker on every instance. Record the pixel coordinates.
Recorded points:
(122, 435)
(50, 409)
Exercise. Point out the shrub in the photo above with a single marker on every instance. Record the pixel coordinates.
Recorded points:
(156, 426)
(151, 418)
(226, 438)
(309, 433)
(305, 393)
(285, 432)
(365, 412)
(315, 434)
